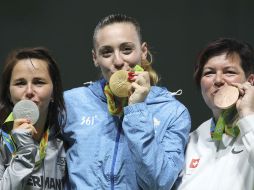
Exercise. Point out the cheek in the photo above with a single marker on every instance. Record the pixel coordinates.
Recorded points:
(44, 102)
(15, 95)
(105, 65)
(237, 79)
(204, 84)
(46, 95)
(104, 62)
(135, 59)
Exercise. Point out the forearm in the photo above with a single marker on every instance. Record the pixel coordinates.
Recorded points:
(246, 126)
(13, 175)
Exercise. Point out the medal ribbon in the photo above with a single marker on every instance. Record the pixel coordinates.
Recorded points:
(116, 105)
(7, 138)
(43, 147)
(226, 124)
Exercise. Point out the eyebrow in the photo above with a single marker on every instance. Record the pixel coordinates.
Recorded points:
(18, 79)
(105, 47)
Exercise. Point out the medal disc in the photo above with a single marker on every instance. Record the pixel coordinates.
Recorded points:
(119, 84)
(226, 97)
(26, 109)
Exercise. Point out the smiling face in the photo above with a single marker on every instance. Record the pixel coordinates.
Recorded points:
(219, 71)
(30, 80)
(118, 47)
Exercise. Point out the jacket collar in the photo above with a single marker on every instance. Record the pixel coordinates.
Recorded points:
(97, 89)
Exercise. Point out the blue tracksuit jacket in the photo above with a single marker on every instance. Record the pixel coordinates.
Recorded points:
(144, 149)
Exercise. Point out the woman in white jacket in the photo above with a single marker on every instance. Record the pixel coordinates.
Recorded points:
(220, 152)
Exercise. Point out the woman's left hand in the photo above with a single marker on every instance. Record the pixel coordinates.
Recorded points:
(140, 87)
(245, 103)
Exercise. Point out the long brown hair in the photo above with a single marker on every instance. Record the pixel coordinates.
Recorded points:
(57, 113)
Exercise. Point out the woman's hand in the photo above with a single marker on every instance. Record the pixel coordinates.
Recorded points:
(24, 124)
(245, 103)
(140, 87)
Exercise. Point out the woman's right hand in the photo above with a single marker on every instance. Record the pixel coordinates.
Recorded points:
(24, 124)
(140, 86)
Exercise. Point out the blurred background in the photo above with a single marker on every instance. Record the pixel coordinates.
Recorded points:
(175, 30)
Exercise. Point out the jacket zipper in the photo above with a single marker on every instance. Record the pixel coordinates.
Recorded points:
(118, 135)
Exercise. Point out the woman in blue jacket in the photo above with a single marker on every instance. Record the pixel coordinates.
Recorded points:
(124, 143)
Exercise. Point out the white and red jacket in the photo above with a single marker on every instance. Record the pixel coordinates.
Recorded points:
(219, 165)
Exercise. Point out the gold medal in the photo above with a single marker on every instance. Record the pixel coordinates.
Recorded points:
(119, 84)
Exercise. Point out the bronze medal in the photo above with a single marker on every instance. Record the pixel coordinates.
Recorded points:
(226, 97)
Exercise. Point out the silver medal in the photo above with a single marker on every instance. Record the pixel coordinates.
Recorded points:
(26, 109)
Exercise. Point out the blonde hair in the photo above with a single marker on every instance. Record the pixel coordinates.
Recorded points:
(121, 18)
(147, 66)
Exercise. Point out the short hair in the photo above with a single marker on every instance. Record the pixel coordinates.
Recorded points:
(229, 46)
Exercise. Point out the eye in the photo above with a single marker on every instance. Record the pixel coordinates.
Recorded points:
(230, 72)
(207, 73)
(39, 82)
(106, 52)
(19, 83)
(127, 50)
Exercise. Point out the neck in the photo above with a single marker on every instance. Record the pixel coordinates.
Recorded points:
(38, 136)
(216, 114)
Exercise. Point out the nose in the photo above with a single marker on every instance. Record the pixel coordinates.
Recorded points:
(29, 91)
(118, 61)
(219, 80)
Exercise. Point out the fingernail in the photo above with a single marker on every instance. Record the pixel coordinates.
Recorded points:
(131, 73)
(130, 78)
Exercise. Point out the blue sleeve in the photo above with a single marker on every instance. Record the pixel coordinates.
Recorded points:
(158, 160)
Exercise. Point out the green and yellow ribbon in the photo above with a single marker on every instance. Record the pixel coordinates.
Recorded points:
(226, 124)
(43, 147)
(7, 138)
